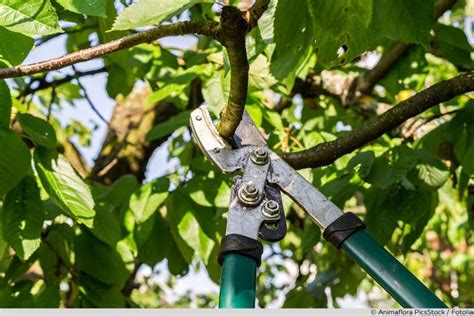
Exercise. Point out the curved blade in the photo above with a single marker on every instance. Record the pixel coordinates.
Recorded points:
(247, 133)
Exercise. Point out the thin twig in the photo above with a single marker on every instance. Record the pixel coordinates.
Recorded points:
(44, 84)
(89, 100)
(180, 28)
(50, 106)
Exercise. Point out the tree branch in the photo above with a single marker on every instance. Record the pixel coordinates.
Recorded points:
(44, 84)
(230, 32)
(232, 37)
(255, 12)
(326, 153)
(180, 28)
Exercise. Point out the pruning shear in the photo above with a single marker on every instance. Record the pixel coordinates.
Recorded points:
(256, 212)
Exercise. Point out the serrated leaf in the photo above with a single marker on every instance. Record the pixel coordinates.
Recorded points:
(40, 131)
(22, 218)
(5, 104)
(64, 186)
(148, 199)
(30, 18)
(14, 160)
(168, 127)
(14, 47)
(87, 7)
(151, 12)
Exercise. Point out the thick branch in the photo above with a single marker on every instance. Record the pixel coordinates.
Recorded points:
(325, 153)
(180, 28)
(232, 37)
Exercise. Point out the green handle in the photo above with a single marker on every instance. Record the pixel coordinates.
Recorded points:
(238, 282)
(403, 286)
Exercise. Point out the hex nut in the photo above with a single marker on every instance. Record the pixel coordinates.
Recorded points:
(260, 156)
(249, 194)
(271, 210)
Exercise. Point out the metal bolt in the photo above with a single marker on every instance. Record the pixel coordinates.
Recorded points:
(198, 117)
(217, 150)
(260, 156)
(249, 194)
(271, 210)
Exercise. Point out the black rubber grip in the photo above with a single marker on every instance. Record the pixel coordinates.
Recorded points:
(241, 245)
(342, 228)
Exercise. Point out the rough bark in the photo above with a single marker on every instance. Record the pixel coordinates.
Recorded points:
(125, 150)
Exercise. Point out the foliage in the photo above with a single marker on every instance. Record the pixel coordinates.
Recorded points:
(75, 241)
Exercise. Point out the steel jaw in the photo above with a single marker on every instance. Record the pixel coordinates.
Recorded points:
(245, 217)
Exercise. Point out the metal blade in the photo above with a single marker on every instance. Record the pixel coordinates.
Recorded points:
(247, 133)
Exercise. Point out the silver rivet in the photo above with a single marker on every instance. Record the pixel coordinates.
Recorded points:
(198, 117)
(217, 150)
(249, 194)
(260, 156)
(271, 210)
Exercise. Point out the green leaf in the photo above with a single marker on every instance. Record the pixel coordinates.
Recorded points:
(120, 191)
(338, 23)
(49, 296)
(60, 241)
(391, 167)
(106, 226)
(432, 172)
(259, 73)
(87, 7)
(311, 236)
(191, 232)
(168, 127)
(5, 105)
(22, 218)
(151, 12)
(154, 240)
(266, 23)
(30, 18)
(407, 21)
(292, 38)
(386, 207)
(216, 91)
(451, 43)
(363, 162)
(95, 293)
(14, 47)
(40, 131)
(14, 160)
(99, 260)
(64, 186)
(148, 199)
